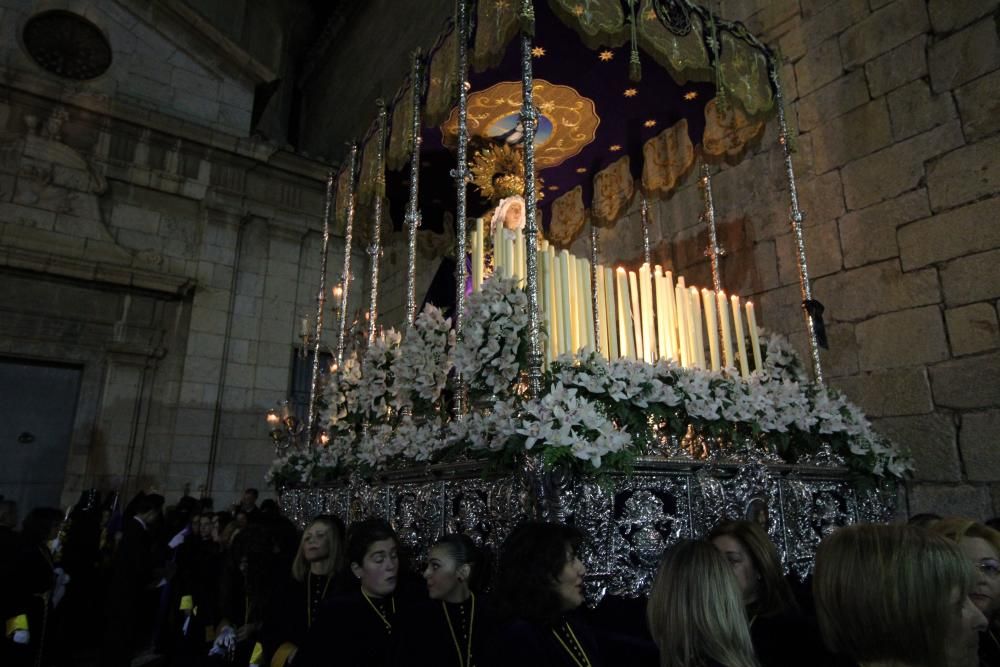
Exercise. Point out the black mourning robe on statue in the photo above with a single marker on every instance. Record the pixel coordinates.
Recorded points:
(424, 639)
(522, 643)
(349, 633)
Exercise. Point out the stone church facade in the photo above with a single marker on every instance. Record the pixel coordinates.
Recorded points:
(149, 242)
(159, 237)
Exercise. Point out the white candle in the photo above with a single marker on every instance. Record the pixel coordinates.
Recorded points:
(555, 332)
(727, 330)
(575, 329)
(477, 256)
(758, 363)
(633, 288)
(626, 343)
(522, 254)
(508, 256)
(646, 309)
(544, 305)
(612, 314)
(498, 250)
(680, 302)
(741, 344)
(566, 342)
(697, 326)
(660, 302)
(587, 301)
(515, 260)
(711, 327)
(673, 340)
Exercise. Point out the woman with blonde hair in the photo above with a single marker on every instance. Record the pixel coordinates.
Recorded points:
(896, 595)
(317, 565)
(696, 612)
(980, 545)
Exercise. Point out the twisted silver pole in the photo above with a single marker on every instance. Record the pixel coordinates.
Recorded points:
(461, 174)
(647, 254)
(345, 274)
(412, 210)
(375, 249)
(714, 251)
(796, 219)
(320, 303)
(529, 119)
(594, 296)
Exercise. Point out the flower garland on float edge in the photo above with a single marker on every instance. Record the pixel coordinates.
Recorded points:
(593, 415)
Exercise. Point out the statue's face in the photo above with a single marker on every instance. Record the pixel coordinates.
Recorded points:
(513, 215)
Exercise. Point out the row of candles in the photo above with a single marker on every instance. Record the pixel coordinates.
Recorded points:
(645, 315)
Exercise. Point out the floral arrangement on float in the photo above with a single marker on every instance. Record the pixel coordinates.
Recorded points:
(390, 408)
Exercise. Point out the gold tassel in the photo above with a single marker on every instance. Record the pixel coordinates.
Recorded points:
(634, 66)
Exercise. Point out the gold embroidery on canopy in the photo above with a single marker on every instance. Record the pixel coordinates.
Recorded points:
(568, 217)
(666, 159)
(568, 121)
(613, 190)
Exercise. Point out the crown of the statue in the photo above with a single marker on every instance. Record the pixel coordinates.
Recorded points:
(498, 171)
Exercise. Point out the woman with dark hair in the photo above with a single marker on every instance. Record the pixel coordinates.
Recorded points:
(696, 612)
(539, 589)
(318, 563)
(779, 633)
(249, 588)
(451, 627)
(355, 626)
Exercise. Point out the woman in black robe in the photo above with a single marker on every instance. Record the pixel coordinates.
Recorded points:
(353, 628)
(314, 573)
(782, 636)
(538, 594)
(249, 587)
(452, 626)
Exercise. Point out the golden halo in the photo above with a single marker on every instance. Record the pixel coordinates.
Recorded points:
(567, 120)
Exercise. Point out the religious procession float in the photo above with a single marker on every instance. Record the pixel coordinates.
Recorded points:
(622, 399)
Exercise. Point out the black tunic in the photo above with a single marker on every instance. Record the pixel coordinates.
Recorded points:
(424, 638)
(349, 633)
(989, 648)
(296, 608)
(786, 641)
(621, 631)
(132, 596)
(526, 644)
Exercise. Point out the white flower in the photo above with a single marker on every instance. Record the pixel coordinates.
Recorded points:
(494, 330)
(424, 361)
(563, 419)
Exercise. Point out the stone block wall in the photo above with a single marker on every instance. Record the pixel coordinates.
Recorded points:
(167, 253)
(895, 107)
(148, 69)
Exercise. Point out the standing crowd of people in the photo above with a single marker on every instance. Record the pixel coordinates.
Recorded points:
(189, 586)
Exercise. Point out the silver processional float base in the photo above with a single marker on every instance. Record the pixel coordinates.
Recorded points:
(627, 518)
